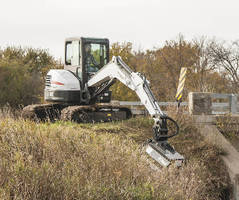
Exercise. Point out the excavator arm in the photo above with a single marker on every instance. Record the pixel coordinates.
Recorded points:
(117, 69)
(158, 148)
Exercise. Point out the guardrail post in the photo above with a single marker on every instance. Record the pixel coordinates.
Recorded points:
(233, 103)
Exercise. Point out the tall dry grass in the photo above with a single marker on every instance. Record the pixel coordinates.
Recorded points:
(228, 125)
(102, 161)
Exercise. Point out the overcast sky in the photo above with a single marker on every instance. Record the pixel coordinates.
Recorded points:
(145, 23)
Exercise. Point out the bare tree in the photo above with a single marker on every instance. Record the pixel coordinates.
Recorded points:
(226, 58)
(202, 67)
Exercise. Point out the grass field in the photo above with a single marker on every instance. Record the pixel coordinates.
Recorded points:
(66, 160)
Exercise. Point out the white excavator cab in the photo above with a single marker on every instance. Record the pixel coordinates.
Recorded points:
(85, 56)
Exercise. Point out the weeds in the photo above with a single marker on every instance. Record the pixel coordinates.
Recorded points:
(66, 160)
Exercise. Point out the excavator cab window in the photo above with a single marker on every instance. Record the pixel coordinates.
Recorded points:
(68, 51)
(95, 57)
(72, 52)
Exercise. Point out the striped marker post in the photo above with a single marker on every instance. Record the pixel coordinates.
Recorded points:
(182, 78)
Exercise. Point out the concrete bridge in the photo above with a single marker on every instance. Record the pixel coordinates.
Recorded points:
(200, 107)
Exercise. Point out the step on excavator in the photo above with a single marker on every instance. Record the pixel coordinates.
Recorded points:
(80, 92)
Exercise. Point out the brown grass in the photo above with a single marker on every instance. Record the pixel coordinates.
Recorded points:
(228, 125)
(103, 161)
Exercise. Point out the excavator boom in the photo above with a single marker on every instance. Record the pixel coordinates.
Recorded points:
(117, 69)
(159, 149)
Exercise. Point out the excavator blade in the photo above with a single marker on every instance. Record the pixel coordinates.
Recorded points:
(163, 153)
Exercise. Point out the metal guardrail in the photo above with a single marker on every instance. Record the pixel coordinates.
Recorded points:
(230, 106)
(138, 103)
(137, 109)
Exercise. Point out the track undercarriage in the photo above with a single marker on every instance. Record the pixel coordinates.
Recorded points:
(76, 113)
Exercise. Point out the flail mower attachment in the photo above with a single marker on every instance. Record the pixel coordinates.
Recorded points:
(159, 148)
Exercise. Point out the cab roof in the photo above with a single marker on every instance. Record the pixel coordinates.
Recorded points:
(87, 39)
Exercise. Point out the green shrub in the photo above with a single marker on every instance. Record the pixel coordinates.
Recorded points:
(22, 73)
(18, 86)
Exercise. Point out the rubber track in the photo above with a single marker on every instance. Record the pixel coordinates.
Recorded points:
(77, 113)
(70, 113)
(73, 113)
(41, 112)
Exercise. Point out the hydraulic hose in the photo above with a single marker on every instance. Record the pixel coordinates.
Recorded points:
(161, 129)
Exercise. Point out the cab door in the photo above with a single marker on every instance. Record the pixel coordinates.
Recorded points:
(73, 58)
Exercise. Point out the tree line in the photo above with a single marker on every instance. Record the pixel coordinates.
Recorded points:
(212, 67)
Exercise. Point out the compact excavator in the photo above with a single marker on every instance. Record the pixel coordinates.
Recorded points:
(80, 92)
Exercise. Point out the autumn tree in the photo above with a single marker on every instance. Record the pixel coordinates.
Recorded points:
(166, 63)
(124, 50)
